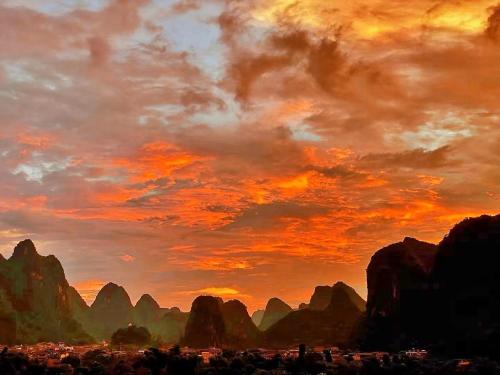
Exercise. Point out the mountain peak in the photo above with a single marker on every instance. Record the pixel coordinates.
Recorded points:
(341, 290)
(320, 298)
(25, 249)
(147, 301)
(112, 293)
(275, 310)
(410, 240)
(341, 284)
(235, 305)
(276, 304)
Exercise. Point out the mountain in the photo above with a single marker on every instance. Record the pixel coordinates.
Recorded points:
(355, 298)
(171, 326)
(146, 311)
(241, 332)
(111, 310)
(398, 279)
(205, 326)
(213, 323)
(332, 326)
(275, 310)
(466, 277)
(257, 317)
(321, 298)
(395, 271)
(165, 325)
(443, 297)
(37, 303)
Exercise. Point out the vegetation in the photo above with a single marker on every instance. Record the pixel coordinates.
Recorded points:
(131, 335)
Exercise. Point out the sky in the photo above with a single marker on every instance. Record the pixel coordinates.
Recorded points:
(245, 149)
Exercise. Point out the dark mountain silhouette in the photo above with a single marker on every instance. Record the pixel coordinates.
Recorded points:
(397, 268)
(466, 275)
(36, 301)
(443, 297)
(355, 298)
(241, 332)
(205, 326)
(275, 310)
(215, 323)
(321, 298)
(111, 310)
(332, 326)
(398, 279)
(146, 311)
(37, 304)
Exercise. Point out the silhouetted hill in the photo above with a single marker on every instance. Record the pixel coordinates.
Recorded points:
(36, 300)
(443, 297)
(467, 277)
(355, 298)
(205, 326)
(275, 310)
(215, 323)
(398, 278)
(111, 310)
(37, 304)
(332, 326)
(321, 298)
(241, 332)
(400, 266)
(146, 311)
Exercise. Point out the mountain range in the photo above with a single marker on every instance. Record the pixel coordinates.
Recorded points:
(442, 296)
(37, 304)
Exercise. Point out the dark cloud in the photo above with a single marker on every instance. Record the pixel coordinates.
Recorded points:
(493, 28)
(417, 159)
(268, 216)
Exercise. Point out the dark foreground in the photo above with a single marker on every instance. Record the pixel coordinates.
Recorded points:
(58, 359)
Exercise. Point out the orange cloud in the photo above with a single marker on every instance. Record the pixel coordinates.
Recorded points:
(373, 19)
(309, 134)
(153, 161)
(127, 258)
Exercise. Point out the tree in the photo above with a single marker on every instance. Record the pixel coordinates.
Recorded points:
(131, 335)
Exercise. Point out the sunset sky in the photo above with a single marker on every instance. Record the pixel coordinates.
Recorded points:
(246, 149)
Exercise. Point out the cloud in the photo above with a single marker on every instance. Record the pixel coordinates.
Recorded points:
(218, 291)
(416, 159)
(268, 216)
(493, 29)
(127, 258)
(286, 142)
